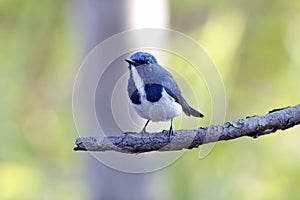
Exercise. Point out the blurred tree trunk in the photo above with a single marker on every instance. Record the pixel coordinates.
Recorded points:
(94, 21)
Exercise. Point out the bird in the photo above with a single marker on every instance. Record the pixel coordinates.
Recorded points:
(153, 92)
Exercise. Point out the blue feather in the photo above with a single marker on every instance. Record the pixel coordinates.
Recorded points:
(153, 92)
(142, 58)
(135, 97)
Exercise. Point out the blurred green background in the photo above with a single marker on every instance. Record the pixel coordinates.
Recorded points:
(256, 47)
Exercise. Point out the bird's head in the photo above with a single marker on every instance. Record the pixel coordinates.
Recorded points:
(141, 58)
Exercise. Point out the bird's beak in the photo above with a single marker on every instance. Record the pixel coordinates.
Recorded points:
(132, 62)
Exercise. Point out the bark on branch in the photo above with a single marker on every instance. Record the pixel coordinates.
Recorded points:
(254, 126)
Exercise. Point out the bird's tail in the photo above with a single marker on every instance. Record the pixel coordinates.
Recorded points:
(187, 109)
(191, 111)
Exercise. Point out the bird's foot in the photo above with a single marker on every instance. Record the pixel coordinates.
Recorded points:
(170, 133)
(143, 132)
(126, 133)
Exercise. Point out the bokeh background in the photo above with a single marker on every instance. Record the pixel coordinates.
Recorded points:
(256, 48)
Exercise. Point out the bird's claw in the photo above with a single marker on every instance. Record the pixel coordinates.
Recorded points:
(170, 133)
(143, 132)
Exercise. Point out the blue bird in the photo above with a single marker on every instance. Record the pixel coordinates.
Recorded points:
(153, 92)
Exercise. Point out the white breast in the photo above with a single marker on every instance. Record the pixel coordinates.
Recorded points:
(164, 109)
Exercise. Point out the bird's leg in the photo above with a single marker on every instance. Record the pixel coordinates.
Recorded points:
(171, 129)
(144, 129)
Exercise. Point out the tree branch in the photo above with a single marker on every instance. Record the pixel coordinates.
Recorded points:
(255, 126)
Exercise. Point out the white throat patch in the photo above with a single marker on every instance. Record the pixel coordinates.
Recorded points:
(139, 83)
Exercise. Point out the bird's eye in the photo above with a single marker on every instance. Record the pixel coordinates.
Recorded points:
(147, 61)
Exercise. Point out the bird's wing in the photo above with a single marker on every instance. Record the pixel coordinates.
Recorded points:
(173, 90)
